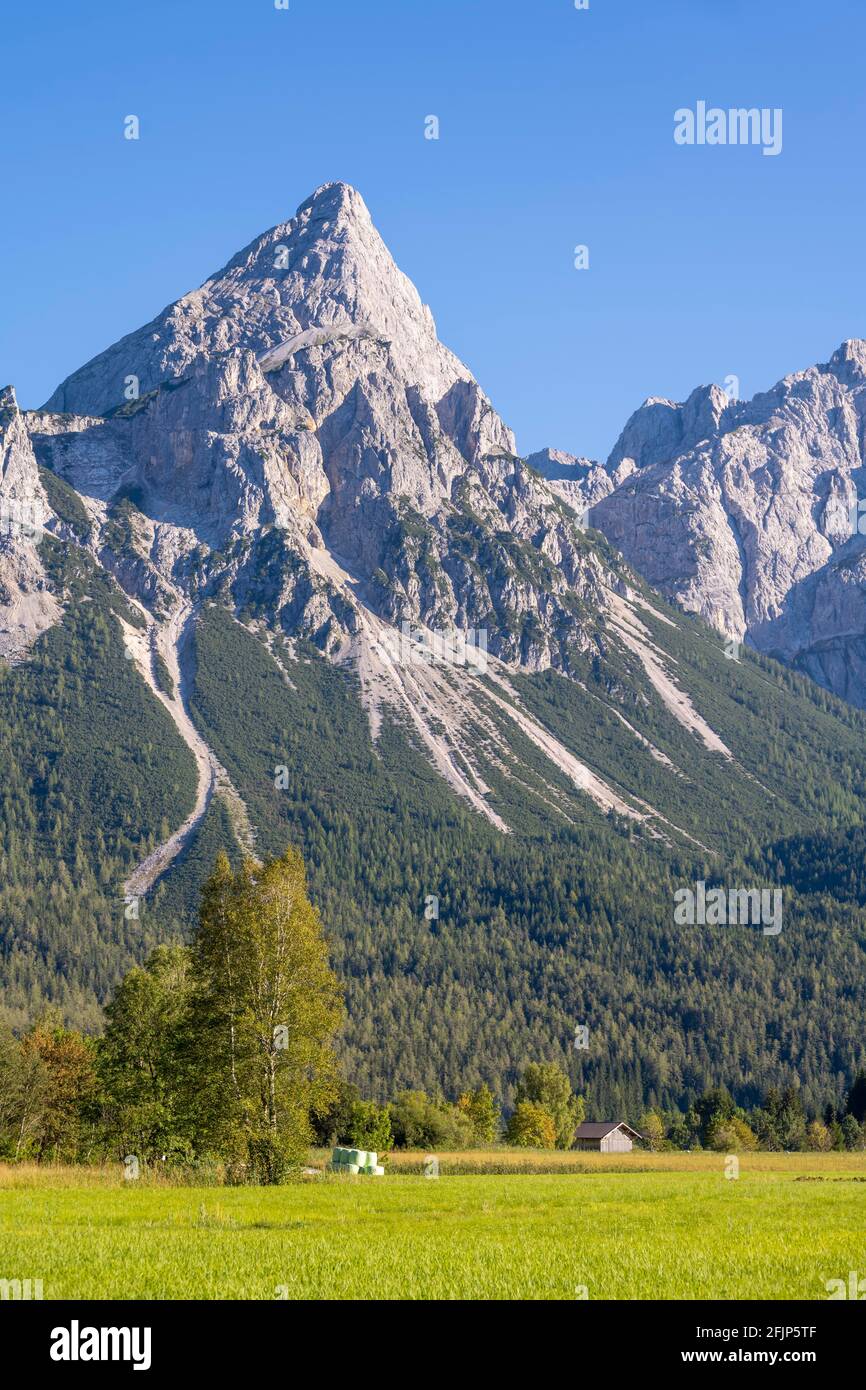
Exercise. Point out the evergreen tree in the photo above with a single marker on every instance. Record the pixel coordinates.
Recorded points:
(856, 1102)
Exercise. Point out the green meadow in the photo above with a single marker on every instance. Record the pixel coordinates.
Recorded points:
(651, 1226)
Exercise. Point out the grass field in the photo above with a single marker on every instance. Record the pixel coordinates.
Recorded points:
(673, 1227)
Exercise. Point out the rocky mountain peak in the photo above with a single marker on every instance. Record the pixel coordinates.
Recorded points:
(334, 201)
(848, 362)
(325, 273)
(661, 429)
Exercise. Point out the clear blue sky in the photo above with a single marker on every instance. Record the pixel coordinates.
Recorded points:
(556, 129)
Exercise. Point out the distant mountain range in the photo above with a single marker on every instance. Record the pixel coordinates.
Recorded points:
(748, 512)
(271, 568)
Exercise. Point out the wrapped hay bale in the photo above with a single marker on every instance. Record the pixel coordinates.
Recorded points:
(355, 1161)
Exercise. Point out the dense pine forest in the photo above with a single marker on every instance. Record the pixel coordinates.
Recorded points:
(566, 923)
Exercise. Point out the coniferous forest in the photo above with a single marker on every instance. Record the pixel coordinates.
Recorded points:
(556, 927)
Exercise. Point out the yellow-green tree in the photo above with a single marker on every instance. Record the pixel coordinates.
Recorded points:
(265, 1008)
(547, 1085)
(531, 1126)
(482, 1110)
(652, 1127)
(818, 1137)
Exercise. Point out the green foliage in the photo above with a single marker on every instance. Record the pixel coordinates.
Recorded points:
(369, 1127)
(48, 1094)
(562, 921)
(483, 1112)
(92, 774)
(419, 1122)
(851, 1133)
(531, 1126)
(780, 1124)
(567, 919)
(856, 1102)
(66, 504)
(265, 1006)
(331, 1123)
(713, 1110)
(162, 675)
(652, 1127)
(140, 1059)
(546, 1085)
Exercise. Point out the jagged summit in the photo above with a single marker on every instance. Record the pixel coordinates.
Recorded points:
(292, 440)
(660, 428)
(327, 267)
(742, 511)
(251, 620)
(333, 199)
(848, 362)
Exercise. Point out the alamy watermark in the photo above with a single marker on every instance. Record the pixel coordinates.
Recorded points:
(421, 646)
(857, 517)
(855, 1287)
(21, 518)
(77, 1343)
(700, 906)
(738, 125)
(20, 1289)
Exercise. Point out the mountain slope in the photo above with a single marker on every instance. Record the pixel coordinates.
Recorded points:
(742, 511)
(324, 583)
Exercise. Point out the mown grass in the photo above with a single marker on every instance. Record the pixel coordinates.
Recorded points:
(671, 1233)
(505, 1160)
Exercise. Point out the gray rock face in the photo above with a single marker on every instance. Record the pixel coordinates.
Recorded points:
(580, 482)
(27, 607)
(661, 429)
(740, 511)
(292, 441)
(325, 269)
(301, 402)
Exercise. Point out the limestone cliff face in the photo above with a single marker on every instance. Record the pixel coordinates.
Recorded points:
(27, 606)
(741, 510)
(291, 441)
(300, 403)
(326, 280)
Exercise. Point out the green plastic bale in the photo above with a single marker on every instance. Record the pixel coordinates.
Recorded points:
(350, 1167)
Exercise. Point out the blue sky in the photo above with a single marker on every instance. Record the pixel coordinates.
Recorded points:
(556, 129)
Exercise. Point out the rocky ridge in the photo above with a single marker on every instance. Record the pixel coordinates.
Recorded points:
(293, 442)
(748, 513)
